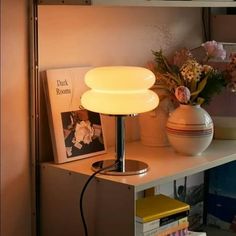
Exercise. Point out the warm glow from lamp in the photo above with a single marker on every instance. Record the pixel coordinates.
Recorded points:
(120, 91)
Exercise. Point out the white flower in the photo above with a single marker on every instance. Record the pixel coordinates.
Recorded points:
(83, 132)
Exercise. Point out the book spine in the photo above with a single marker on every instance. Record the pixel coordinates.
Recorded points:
(50, 116)
(191, 233)
(153, 231)
(174, 217)
(147, 226)
(166, 216)
(179, 230)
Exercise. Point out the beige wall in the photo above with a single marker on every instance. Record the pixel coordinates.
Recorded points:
(15, 160)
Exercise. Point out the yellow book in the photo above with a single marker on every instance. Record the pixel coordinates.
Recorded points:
(157, 207)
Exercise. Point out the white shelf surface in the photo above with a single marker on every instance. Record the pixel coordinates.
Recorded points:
(165, 165)
(166, 3)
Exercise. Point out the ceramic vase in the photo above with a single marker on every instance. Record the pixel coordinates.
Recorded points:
(189, 129)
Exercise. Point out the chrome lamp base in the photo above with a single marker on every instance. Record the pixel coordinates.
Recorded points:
(131, 167)
(120, 166)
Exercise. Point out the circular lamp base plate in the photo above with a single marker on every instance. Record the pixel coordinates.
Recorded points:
(131, 167)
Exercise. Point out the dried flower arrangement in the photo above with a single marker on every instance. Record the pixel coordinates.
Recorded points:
(194, 81)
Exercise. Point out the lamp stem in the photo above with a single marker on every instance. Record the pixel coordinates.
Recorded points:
(120, 142)
(120, 166)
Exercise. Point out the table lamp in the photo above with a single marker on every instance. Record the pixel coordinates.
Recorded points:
(120, 91)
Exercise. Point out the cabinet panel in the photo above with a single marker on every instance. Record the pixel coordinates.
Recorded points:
(109, 207)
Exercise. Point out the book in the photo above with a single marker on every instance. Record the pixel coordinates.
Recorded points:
(157, 207)
(178, 216)
(148, 226)
(76, 133)
(173, 229)
(176, 219)
(177, 230)
(191, 233)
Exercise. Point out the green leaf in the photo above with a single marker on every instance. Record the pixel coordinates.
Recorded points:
(200, 87)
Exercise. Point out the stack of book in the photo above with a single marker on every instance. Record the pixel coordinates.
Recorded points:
(160, 216)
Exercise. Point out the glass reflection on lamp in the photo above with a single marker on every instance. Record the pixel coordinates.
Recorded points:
(120, 91)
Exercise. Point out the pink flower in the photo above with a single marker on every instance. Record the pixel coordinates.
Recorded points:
(182, 94)
(214, 49)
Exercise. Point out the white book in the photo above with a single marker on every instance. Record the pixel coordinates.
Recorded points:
(147, 226)
(76, 133)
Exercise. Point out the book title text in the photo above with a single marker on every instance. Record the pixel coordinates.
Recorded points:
(61, 90)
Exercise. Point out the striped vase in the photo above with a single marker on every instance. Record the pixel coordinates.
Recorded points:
(189, 129)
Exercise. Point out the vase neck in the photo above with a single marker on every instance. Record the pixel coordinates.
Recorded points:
(186, 106)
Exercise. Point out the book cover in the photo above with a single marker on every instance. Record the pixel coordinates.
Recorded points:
(157, 207)
(76, 133)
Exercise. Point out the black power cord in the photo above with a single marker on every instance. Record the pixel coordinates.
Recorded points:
(83, 192)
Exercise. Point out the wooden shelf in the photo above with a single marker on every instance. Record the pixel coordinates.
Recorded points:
(165, 165)
(167, 3)
(143, 3)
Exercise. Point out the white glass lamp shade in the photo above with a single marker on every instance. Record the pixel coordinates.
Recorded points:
(119, 90)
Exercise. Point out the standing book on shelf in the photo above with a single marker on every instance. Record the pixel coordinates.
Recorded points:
(76, 133)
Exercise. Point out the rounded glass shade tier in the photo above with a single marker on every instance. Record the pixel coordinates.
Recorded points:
(119, 90)
(120, 103)
(119, 78)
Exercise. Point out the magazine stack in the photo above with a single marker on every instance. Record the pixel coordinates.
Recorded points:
(160, 215)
